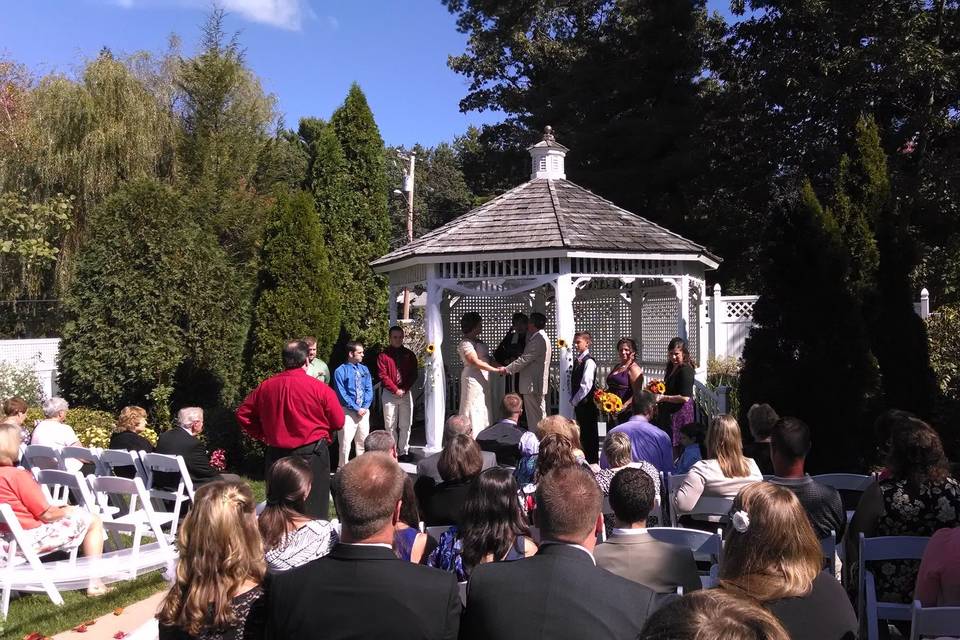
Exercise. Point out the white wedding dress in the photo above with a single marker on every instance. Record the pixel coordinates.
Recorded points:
(474, 385)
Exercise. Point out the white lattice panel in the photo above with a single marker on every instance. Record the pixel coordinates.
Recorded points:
(739, 309)
(693, 325)
(607, 319)
(659, 326)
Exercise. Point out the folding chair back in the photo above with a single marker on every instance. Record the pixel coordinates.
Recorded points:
(876, 549)
(672, 482)
(83, 455)
(9, 559)
(139, 518)
(128, 462)
(829, 547)
(437, 531)
(43, 457)
(934, 621)
(849, 485)
(710, 506)
(159, 468)
(62, 485)
(705, 546)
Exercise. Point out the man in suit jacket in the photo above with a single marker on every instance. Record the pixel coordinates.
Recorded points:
(533, 365)
(182, 441)
(559, 593)
(427, 473)
(630, 552)
(503, 438)
(362, 589)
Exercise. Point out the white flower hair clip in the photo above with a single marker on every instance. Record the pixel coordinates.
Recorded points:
(741, 521)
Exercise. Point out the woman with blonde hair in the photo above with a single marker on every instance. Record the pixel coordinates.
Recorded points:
(559, 425)
(219, 590)
(723, 473)
(772, 554)
(126, 435)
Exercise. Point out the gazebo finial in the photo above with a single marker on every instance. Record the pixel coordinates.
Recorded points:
(548, 134)
(547, 157)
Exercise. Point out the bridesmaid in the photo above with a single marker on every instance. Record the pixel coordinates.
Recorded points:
(625, 377)
(474, 379)
(675, 406)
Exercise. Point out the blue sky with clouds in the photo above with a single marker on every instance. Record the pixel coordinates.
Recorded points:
(306, 52)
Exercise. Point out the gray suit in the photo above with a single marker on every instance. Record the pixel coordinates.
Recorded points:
(427, 468)
(657, 565)
(533, 365)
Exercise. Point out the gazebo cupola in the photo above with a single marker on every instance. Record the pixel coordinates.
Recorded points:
(547, 158)
(551, 246)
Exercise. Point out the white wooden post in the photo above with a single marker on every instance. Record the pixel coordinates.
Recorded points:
(636, 315)
(924, 303)
(434, 386)
(566, 327)
(392, 299)
(703, 340)
(716, 311)
(684, 293)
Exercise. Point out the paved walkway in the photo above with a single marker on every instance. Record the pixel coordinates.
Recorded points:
(106, 627)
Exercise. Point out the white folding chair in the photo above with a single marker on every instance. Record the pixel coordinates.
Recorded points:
(706, 546)
(59, 486)
(463, 592)
(672, 483)
(850, 482)
(712, 506)
(42, 457)
(934, 621)
(140, 518)
(877, 549)
(10, 561)
(113, 459)
(83, 455)
(829, 547)
(437, 531)
(154, 463)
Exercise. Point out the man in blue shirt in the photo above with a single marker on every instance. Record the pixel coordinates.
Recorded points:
(354, 386)
(647, 441)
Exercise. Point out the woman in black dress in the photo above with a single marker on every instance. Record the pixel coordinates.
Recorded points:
(675, 406)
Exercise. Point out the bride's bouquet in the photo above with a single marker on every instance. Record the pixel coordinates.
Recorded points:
(608, 403)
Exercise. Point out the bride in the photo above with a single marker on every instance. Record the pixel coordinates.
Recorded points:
(474, 379)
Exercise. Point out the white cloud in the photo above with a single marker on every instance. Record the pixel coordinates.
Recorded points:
(284, 14)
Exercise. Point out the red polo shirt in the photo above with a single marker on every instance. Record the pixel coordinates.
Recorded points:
(290, 410)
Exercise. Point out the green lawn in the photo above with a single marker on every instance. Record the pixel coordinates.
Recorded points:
(35, 613)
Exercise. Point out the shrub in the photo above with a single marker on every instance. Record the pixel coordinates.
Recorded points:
(93, 427)
(20, 380)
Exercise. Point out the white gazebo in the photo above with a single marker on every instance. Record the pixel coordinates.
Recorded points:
(550, 245)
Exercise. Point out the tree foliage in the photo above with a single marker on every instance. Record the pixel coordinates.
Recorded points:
(366, 227)
(30, 238)
(297, 294)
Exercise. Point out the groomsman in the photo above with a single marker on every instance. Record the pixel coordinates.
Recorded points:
(533, 367)
(354, 386)
(582, 385)
(397, 366)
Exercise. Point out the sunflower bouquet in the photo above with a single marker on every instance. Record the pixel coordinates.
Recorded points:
(608, 403)
(657, 387)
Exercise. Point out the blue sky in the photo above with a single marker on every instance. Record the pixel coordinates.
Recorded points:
(306, 52)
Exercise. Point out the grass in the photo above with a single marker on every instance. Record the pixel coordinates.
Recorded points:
(35, 613)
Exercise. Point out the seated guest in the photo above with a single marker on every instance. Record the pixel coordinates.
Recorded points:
(409, 543)
(559, 593)
(723, 473)
(647, 441)
(126, 435)
(616, 448)
(381, 441)
(713, 615)
(630, 552)
(291, 538)
(938, 581)
(492, 527)
(53, 431)
(15, 413)
(919, 497)
(559, 425)
(47, 528)
(361, 589)
(527, 464)
(691, 436)
(182, 441)
(771, 553)
(789, 445)
(428, 472)
(503, 438)
(556, 451)
(459, 464)
(761, 418)
(219, 591)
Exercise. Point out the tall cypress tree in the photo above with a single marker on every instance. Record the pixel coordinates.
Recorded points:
(296, 291)
(365, 219)
(808, 354)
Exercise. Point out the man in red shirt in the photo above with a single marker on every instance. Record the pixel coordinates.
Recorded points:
(397, 367)
(294, 414)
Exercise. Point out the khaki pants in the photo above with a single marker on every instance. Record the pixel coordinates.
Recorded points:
(355, 430)
(398, 414)
(534, 406)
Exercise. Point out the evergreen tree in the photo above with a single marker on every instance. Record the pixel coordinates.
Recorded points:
(365, 219)
(808, 354)
(297, 292)
(146, 303)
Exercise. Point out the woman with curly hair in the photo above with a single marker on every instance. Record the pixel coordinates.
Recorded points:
(219, 590)
(918, 497)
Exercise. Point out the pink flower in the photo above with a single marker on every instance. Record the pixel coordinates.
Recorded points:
(218, 460)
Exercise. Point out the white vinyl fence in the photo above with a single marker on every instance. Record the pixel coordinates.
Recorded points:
(41, 354)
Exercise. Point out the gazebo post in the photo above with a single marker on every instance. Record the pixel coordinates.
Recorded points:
(392, 301)
(683, 291)
(434, 386)
(636, 315)
(566, 327)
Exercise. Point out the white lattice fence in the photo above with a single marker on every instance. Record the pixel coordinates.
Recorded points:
(659, 326)
(41, 354)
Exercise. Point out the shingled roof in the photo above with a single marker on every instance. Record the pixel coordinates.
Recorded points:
(547, 214)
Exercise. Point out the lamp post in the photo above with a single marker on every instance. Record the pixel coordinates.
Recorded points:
(408, 174)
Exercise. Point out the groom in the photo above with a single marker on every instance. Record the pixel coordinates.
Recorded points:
(534, 370)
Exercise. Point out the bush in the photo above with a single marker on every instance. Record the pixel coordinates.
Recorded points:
(93, 427)
(20, 380)
(944, 335)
